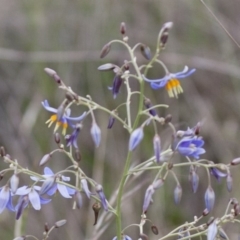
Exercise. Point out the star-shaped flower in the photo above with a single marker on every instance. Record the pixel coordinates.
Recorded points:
(170, 81)
(65, 119)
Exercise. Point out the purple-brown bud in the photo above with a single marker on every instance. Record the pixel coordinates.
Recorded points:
(2, 151)
(46, 228)
(154, 229)
(111, 121)
(57, 138)
(235, 161)
(205, 212)
(78, 155)
(168, 118)
(146, 52)
(122, 28)
(105, 50)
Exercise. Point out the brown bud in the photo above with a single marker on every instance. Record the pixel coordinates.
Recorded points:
(234, 201)
(146, 52)
(123, 28)
(57, 138)
(126, 65)
(170, 166)
(154, 229)
(69, 96)
(168, 118)
(96, 208)
(205, 212)
(236, 210)
(210, 220)
(2, 151)
(164, 34)
(78, 155)
(105, 50)
(46, 228)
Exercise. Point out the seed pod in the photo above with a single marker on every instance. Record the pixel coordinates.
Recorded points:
(168, 118)
(164, 34)
(146, 52)
(177, 194)
(96, 208)
(105, 50)
(60, 223)
(209, 198)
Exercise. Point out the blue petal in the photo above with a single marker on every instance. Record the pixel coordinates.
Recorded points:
(166, 78)
(48, 108)
(44, 200)
(63, 190)
(52, 190)
(34, 199)
(76, 119)
(184, 75)
(71, 191)
(159, 85)
(48, 171)
(4, 198)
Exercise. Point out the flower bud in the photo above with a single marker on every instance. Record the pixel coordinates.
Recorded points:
(102, 197)
(78, 199)
(168, 118)
(14, 181)
(164, 34)
(148, 104)
(111, 121)
(209, 198)
(154, 229)
(50, 72)
(105, 50)
(135, 138)
(194, 179)
(45, 159)
(222, 233)
(57, 138)
(46, 228)
(60, 223)
(205, 212)
(212, 231)
(148, 197)
(146, 52)
(78, 155)
(20, 238)
(117, 82)
(96, 134)
(2, 151)
(158, 183)
(235, 161)
(229, 182)
(123, 28)
(85, 188)
(177, 194)
(107, 67)
(143, 236)
(157, 147)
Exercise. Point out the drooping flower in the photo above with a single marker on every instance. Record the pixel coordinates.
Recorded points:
(102, 197)
(117, 82)
(148, 197)
(64, 120)
(209, 198)
(191, 147)
(6, 199)
(53, 186)
(96, 133)
(217, 173)
(72, 140)
(170, 81)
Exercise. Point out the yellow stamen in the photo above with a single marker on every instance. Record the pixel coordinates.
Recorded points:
(58, 124)
(173, 87)
(64, 125)
(51, 120)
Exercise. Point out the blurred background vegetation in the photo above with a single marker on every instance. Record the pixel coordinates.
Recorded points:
(67, 36)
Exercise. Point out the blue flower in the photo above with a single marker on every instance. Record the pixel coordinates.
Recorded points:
(29, 194)
(124, 237)
(72, 140)
(6, 199)
(64, 120)
(217, 173)
(52, 187)
(191, 147)
(170, 81)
